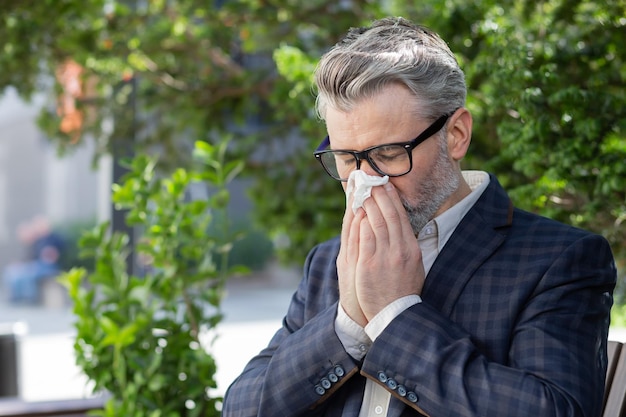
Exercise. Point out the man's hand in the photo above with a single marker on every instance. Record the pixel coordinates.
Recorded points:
(346, 264)
(387, 261)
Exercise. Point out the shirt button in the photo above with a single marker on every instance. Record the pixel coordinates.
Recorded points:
(382, 377)
(339, 371)
(320, 390)
(378, 409)
(332, 377)
(325, 383)
(411, 396)
(391, 383)
(362, 348)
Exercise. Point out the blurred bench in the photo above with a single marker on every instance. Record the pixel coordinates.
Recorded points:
(8, 360)
(13, 407)
(615, 391)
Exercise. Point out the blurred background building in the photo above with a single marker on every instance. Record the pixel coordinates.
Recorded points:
(35, 181)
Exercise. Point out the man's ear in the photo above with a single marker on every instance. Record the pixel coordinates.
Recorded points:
(459, 133)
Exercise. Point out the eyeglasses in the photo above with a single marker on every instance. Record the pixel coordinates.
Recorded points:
(392, 159)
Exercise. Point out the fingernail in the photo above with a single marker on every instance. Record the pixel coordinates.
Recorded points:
(388, 186)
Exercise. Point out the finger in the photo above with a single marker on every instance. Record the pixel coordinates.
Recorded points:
(382, 215)
(392, 209)
(354, 235)
(349, 250)
(348, 217)
(368, 240)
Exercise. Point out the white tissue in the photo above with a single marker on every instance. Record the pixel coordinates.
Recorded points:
(361, 184)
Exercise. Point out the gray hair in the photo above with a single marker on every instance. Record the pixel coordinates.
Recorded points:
(391, 50)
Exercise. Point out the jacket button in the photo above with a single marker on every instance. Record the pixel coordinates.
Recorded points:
(339, 371)
(320, 390)
(382, 377)
(411, 396)
(332, 377)
(391, 383)
(325, 383)
(402, 390)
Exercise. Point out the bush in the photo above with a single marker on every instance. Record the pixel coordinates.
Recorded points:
(142, 338)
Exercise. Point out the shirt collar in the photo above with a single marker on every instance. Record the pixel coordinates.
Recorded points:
(446, 222)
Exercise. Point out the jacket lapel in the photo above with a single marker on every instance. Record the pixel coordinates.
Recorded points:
(478, 235)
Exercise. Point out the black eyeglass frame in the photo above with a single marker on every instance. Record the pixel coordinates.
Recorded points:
(435, 127)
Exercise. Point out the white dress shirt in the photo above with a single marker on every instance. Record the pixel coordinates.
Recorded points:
(432, 238)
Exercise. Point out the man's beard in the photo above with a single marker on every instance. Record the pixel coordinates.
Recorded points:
(439, 185)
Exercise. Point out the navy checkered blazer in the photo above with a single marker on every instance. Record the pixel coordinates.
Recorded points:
(513, 322)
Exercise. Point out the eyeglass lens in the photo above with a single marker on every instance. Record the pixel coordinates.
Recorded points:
(392, 160)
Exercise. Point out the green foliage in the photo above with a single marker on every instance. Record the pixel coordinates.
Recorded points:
(559, 105)
(158, 73)
(143, 338)
(618, 316)
(546, 88)
(251, 247)
(71, 234)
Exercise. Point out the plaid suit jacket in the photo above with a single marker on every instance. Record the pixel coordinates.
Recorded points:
(514, 322)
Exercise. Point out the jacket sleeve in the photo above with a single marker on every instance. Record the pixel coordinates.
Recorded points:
(555, 363)
(303, 365)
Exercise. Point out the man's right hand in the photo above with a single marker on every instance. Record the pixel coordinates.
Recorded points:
(346, 265)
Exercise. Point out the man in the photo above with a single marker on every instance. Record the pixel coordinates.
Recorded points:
(439, 298)
(23, 279)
